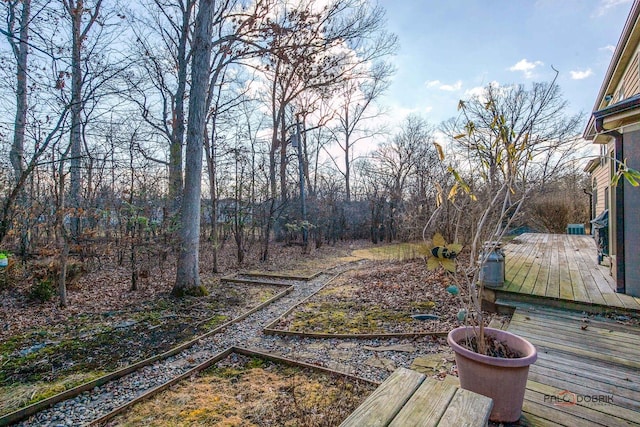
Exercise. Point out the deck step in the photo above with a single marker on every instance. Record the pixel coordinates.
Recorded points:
(510, 300)
(407, 398)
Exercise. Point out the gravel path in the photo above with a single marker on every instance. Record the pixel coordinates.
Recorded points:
(343, 355)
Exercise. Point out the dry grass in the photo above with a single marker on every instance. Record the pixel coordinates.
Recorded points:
(396, 252)
(242, 391)
(18, 395)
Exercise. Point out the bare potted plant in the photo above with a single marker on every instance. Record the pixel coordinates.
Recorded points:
(491, 362)
(503, 133)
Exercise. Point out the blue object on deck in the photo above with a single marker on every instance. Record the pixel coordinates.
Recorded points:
(425, 316)
(575, 228)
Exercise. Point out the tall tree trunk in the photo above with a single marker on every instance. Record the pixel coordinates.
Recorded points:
(283, 160)
(16, 155)
(79, 33)
(21, 52)
(210, 150)
(177, 140)
(75, 141)
(188, 276)
(61, 229)
(347, 148)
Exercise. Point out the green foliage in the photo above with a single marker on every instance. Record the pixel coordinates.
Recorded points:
(631, 175)
(42, 291)
(256, 362)
(298, 226)
(215, 321)
(191, 291)
(423, 305)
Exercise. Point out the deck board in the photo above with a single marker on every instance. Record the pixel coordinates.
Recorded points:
(602, 359)
(562, 267)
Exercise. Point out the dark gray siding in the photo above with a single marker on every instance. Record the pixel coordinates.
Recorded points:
(632, 217)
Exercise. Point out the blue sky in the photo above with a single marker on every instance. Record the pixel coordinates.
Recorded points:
(451, 47)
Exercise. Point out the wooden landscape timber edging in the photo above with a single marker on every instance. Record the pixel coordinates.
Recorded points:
(215, 359)
(292, 362)
(319, 335)
(155, 390)
(34, 408)
(234, 279)
(271, 330)
(267, 275)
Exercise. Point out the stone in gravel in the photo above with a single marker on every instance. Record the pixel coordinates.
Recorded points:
(347, 345)
(431, 363)
(378, 362)
(335, 366)
(407, 348)
(340, 354)
(315, 347)
(305, 355)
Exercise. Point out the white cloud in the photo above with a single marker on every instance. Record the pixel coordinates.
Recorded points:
(446, 87)
(479, 91)
(450, 88)
(610, 48)
(579, 75)
(526, 67)
(606, 5)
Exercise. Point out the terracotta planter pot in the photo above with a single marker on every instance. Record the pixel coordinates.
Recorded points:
(503, 380)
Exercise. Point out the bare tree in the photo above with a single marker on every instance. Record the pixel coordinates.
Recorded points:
(358, 96)
(514, 140)
(399, 162)
(80, 29)
(188, 274)
(313, 49)
(20, 47)
(163, 41)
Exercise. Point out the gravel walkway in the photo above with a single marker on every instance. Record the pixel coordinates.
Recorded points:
(344, 355)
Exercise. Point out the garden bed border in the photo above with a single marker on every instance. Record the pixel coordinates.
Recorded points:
(213, 360)
(270, 329)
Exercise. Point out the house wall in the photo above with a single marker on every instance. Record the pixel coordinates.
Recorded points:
(600, 177)
(632, 217)
(630, 83)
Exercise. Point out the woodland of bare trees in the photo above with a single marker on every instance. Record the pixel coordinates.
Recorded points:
(159, 127)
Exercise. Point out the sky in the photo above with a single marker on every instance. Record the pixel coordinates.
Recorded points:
(451, 48)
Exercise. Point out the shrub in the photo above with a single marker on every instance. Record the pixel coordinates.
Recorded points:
(42, 291)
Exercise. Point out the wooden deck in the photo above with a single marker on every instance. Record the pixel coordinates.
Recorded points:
(579, 361)
(560, 267)
(408, 399)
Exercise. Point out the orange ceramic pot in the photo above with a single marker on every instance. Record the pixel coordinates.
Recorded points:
(503, 380)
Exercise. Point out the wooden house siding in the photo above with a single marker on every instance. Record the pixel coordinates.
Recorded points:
(600, 177)
(630, 83)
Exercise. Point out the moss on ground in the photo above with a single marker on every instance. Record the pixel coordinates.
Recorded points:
(40, 363)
